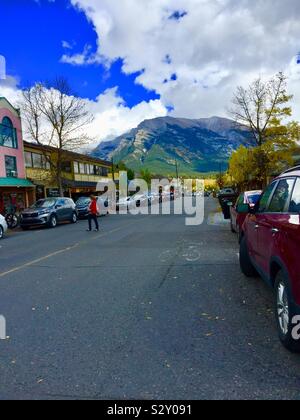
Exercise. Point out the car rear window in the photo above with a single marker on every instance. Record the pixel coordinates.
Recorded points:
(83, 201)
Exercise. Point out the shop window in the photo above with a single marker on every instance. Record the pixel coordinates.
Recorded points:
(8, 134)
(46, 163)
(11, 167)
(66, 167)
(98, 170)
(76, 167)
(37, 161)
(81, 168)
(28, 159)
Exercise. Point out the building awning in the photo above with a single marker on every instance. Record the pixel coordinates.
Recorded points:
(16, 182)
(83, 184)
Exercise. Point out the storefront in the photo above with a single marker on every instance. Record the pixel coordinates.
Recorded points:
(79, 189)
(15, 194)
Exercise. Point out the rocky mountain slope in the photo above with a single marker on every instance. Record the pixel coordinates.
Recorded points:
(199, 146)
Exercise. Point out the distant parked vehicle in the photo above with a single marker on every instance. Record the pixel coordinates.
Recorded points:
(240, 209)
(226, 197)
(137, 200)
(226, 191)
(3, 226)
(83, 205)
(49, 212)
(270, 247)
(123, 203)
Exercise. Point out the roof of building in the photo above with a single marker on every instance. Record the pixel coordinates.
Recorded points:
(13, 108)
(16, 182)
(75, 156)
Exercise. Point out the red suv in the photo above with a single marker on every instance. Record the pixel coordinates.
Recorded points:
(270, 247)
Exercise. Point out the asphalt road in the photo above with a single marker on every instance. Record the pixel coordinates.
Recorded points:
(146, 309)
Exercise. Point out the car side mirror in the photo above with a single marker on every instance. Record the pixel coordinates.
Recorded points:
(58, 206)
(252, 209)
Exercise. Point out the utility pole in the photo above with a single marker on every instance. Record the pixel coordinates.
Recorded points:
(177, 171)
(113, 169)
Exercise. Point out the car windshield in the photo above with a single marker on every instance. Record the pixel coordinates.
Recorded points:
(83, 201)
(44, 204)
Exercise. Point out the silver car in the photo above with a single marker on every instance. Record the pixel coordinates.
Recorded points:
(3, 226)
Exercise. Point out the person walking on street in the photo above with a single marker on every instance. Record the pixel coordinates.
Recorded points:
(93, 214)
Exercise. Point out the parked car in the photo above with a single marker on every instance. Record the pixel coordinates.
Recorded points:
(226, 191)
(122, 203)
(226, 197)
(270, 247)
(83, 205)
(49, 212)
(137, 200)
(3, 226)
(240, 209)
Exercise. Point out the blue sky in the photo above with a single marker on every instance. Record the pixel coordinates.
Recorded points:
(142, 59)
(33, 51)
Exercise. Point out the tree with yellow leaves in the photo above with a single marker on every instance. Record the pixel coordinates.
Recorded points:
(264, 109)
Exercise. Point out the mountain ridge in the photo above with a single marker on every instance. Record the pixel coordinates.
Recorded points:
(198, 145)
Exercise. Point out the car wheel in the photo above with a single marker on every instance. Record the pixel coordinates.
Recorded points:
(245, 262)
(74, 218)
(1, 232)
(53, 222)
(285, 313)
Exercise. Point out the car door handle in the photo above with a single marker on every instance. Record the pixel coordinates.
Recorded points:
(274, 230)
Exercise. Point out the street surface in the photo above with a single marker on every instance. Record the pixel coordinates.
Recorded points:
(146, 309)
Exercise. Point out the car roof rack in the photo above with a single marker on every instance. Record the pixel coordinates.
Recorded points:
(295, 168)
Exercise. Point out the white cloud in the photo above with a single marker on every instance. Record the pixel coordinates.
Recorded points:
(80, 59)
(213, 46)
(9, 89)
(111, 115)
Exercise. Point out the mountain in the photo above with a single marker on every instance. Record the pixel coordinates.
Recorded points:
(199, 146)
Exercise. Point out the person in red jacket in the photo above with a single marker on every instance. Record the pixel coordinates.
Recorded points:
(93, 214)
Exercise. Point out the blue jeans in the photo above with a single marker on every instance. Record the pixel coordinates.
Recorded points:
(93, 217)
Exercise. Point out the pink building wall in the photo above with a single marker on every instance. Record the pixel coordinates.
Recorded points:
(6, 110)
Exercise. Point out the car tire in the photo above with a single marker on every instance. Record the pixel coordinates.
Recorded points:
(53, 222)
(285, 312)
(1, 232)
(245, 262)
(74, 218)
